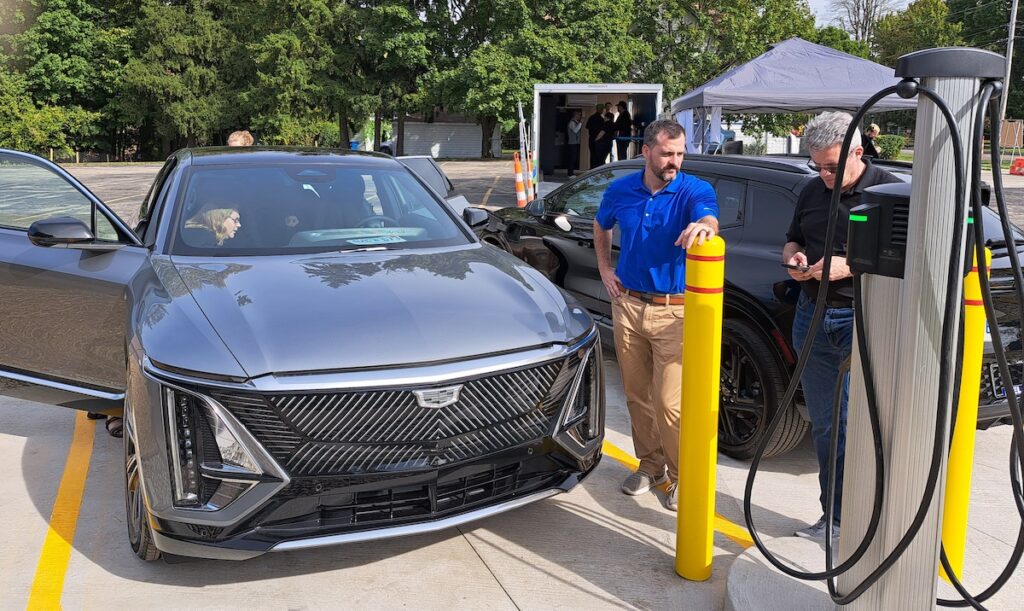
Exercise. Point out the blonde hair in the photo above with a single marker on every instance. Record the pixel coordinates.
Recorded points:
(240, 138)
(874, 128)
(211, 219)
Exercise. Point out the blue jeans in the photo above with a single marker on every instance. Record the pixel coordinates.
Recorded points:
(832, 345)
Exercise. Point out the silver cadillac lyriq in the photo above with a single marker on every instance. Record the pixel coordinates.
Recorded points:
(311, 348)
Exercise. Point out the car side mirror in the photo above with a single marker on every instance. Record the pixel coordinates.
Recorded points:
(535, 208)
(474, 216)
(66, 232)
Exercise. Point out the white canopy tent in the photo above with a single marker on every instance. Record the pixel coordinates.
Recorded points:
(793, 76)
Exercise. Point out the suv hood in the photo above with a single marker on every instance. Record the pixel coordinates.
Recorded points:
(307, 313)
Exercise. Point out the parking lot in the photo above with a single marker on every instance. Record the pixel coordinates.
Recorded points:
(591, 548)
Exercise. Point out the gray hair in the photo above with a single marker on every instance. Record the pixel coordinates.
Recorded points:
(829, 129)
(662, 126)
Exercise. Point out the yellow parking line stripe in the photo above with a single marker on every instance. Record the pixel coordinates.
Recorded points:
(733, 531)
(487, 195)
(48, 585)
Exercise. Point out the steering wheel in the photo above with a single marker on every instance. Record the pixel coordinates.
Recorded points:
(386, 221)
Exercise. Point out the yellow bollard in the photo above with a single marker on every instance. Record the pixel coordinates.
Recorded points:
(698, 425)
(961, 451)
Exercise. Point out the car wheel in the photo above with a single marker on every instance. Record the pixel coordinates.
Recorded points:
(140, 534)
(752, 384)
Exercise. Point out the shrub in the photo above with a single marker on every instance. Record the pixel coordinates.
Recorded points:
(889, 146)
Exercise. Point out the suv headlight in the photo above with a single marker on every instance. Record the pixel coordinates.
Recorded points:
(210, 468)
(583, 412)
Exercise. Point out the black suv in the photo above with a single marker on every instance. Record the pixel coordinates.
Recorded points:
(756, 196)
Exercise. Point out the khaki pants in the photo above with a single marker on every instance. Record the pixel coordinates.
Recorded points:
(649, 347)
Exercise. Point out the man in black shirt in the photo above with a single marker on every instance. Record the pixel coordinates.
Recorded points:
(623, 129)
(595, 125)
(805, 249)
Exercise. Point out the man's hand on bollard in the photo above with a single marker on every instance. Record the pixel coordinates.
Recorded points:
(700, 231)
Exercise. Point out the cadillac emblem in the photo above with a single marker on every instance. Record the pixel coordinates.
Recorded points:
(438, 397)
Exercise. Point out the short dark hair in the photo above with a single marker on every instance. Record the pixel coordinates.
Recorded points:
(662, 126)
(622, 104)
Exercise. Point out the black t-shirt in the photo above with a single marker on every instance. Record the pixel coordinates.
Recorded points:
(594, 125)
(623, 123)
(810, 221)
(609, 131)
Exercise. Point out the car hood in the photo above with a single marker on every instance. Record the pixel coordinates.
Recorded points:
(323, 312)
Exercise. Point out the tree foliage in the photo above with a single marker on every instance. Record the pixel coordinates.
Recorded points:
(922, 25)
(984, 25)
(859, 17)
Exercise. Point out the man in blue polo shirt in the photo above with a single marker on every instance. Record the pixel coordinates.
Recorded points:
(660, 212)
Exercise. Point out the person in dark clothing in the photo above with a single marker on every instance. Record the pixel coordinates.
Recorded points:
(805, 248)
(595, 125)
(623, 129)
(868, 141)
(605, 140)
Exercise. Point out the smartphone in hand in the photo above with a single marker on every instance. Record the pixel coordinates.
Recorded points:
(799, 268)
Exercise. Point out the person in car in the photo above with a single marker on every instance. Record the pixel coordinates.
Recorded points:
(805, 249)
(661, 212)
(212, 226)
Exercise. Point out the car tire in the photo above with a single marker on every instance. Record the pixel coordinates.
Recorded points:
(753, 382)
(140, 534)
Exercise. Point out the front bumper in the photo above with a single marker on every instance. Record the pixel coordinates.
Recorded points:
(317, 512)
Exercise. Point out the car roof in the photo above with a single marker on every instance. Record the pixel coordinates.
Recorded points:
(220, 155)
(786, 173)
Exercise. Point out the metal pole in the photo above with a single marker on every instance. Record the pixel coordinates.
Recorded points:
(1011, 34)
(904, 322)
(698, 422)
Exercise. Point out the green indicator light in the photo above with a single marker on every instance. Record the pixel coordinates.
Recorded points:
(970, 220)
(858, 218)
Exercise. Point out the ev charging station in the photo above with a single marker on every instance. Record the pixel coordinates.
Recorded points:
(903, 339)
(907, 248)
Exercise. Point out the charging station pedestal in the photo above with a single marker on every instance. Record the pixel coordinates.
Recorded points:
(904, 322)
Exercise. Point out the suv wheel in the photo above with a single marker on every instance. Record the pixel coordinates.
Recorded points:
(139, 534)
(752, 384)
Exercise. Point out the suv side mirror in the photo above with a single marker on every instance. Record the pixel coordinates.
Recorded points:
(535, 208)
(474, 216)
(66, 232)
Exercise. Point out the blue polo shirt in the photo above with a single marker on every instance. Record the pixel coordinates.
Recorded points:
(649, 260)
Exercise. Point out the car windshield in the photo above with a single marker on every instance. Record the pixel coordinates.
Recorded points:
(273, 209)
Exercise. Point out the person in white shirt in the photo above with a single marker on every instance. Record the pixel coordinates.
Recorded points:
(572, 142)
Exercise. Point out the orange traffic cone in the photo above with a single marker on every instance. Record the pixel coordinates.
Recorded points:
(520, 187)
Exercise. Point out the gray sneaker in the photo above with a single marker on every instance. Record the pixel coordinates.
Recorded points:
(639, 483)
(817, 531)
(672, 500)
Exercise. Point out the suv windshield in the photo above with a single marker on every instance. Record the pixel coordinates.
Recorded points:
(273, 209)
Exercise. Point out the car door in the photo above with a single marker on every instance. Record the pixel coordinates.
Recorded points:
(64, 309)
(577, 203)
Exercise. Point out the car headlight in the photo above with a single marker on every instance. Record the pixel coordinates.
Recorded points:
(583, 417)
(210, 468)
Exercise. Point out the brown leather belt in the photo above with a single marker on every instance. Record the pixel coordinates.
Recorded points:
(655, 298)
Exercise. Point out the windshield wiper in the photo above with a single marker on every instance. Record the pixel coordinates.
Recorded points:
(365, 249)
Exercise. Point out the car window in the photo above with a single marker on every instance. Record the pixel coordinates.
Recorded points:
(583, 198)
(229, 210)
(730, 201)
(29, 193)
(430, 173)
(149, 203)
(771, 212)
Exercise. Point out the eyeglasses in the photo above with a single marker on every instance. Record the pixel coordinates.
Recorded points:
(831, 168)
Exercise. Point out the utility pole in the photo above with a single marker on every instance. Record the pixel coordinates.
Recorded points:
(1011, 34)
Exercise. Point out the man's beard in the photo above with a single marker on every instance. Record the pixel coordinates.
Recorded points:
(665, 170)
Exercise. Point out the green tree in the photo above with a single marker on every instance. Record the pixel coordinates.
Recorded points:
(23, 125)
(984, 25)
(692, 41)
(922, 25)
(840, 40)
(176, 81)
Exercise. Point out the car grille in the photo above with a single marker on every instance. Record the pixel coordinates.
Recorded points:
(386, 431)
(409, 502)
(992, 387)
